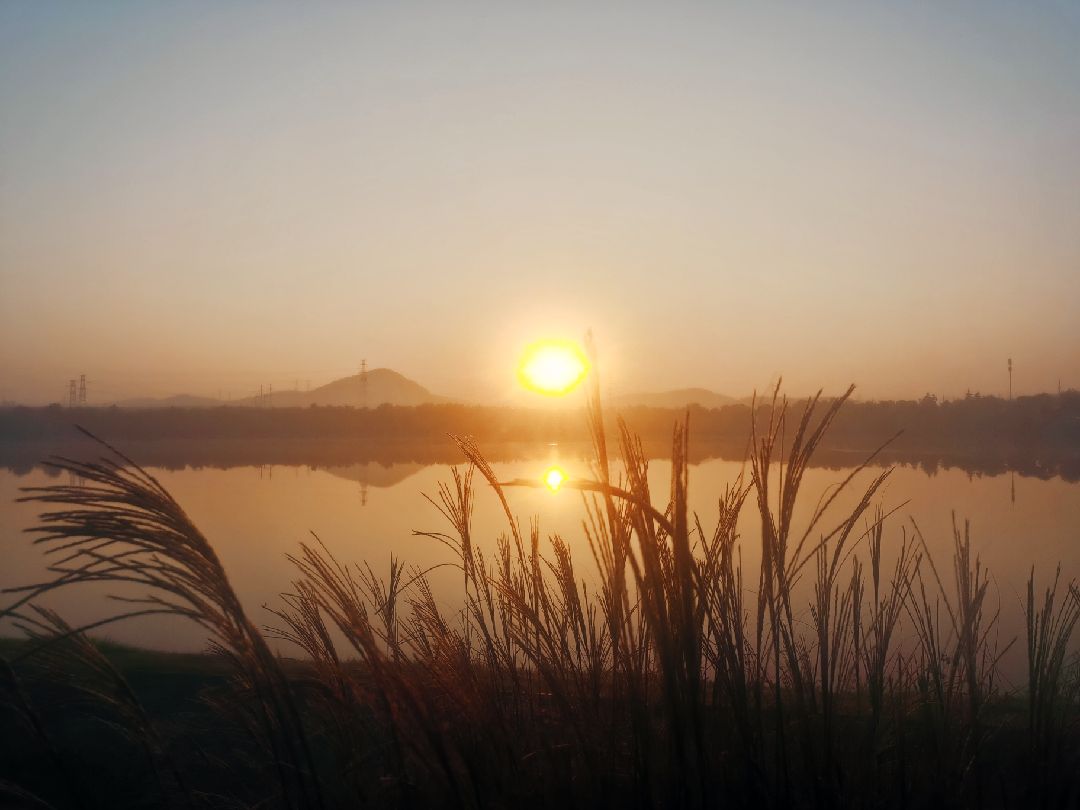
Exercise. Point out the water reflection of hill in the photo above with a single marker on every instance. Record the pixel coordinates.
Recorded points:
(374, 474)
(387, 462)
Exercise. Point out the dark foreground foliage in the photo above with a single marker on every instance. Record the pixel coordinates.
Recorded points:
(841, 671)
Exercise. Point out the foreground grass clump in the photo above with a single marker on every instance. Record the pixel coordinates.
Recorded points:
(821, 677)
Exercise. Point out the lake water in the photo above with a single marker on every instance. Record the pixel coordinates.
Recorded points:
(255, 515)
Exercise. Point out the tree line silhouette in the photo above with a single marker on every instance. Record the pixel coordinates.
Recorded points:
(1034, 435)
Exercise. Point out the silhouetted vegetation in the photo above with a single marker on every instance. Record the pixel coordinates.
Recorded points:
(1037, 436)
(842, 670)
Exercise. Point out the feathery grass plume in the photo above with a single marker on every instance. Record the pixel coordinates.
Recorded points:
(784, 556)
(875, 656)
(730, 656)
(334, 694)
(122, 526)
(959, 663)
(1052, 692)
(411, 702)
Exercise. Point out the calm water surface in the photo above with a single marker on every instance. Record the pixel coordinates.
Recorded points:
(255, 516)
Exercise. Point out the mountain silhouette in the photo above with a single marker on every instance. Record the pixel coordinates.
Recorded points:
(383, 386)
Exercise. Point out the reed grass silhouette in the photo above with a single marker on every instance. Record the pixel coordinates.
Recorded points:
(673, 675)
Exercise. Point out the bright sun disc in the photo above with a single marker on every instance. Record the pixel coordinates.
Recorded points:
(553, 367)
(553, 478)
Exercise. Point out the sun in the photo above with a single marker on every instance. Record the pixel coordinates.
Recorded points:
(553, 367)
(554, 478)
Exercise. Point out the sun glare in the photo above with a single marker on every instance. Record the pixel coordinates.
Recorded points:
(554, 478)
(553, 367)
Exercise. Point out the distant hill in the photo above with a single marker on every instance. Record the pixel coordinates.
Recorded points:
(384, 386)
(679, 398)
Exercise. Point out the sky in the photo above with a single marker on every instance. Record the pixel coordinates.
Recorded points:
(204, 197)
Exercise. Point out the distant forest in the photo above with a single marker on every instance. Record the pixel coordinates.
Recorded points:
(1035, 435)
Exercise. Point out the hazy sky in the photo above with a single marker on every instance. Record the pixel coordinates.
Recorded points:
(209, 196)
